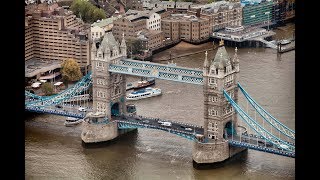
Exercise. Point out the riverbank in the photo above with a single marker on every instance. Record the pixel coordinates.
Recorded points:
(182, 49)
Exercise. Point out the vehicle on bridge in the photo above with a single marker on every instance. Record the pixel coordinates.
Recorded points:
(166, 123)
(82, 109)
(144, 93)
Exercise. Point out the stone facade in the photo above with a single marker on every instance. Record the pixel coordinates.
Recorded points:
(219, 116)
(94, 133)
(109, 89)
(210, 152)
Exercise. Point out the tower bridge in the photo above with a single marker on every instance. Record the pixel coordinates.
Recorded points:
(221, 136)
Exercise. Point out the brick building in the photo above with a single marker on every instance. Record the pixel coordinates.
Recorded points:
(189, 28)
(53, 33)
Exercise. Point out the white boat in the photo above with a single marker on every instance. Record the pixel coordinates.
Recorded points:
(284, 42)
(70, 121)
(143, 93)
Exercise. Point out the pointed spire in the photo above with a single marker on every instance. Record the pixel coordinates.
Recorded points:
(235, 56)
(123, 42)
(206, 62)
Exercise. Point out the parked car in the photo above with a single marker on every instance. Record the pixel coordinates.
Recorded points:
(82, 109)
(58, 106)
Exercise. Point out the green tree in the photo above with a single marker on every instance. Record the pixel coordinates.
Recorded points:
(70, 71)
(47, 88)
(87, 11)
(134, 45)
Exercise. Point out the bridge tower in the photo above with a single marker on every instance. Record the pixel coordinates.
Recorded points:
(109, 91)
(220, 119)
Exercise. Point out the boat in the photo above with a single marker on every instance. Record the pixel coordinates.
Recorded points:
(141, 84)
(143, 93)
(70, 121)
(284, 42)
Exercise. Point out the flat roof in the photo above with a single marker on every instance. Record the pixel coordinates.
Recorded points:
(246, 30)
(37, 66)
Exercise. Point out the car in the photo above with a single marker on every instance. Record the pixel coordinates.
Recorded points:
(58, 106)
(145, 121)
(166, 124)
(283, 147)
(188, 129)
(138, 118)
(182, 126)
(82, 109)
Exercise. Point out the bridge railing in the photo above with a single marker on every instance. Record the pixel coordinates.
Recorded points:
(257, 127)
(268, 117)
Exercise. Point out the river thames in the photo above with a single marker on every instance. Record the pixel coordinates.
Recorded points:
(53, 151)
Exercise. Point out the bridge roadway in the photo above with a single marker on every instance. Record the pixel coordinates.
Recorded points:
(62, 110)
(250, 141)
(156, 122)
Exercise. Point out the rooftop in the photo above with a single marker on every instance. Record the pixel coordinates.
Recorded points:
(215, 7)
(35, 66)
(184, 17)
(104, 22)
(108, 41)
(146, 33)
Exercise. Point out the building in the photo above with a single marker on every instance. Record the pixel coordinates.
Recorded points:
(108, 87)
(129, 25)
(283, 11)
(161, 11)
(100, 27)
(55, 34)
(153, 19)
(221, 73)
(189, 28)
(179, 7)
(135, 4)
(220, 14)
(258, 14)
(220, 118)
(151, 39)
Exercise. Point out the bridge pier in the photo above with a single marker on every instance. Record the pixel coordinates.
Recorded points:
(97, 128)
(213, 155)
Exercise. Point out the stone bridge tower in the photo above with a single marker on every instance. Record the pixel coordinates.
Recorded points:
(109, 91)
(220, 119)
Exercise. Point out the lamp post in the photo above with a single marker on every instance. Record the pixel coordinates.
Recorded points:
(268, 18)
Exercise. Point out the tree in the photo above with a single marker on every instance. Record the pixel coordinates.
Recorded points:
(134, 45)
(47, 88)
(87, 11)
(70, 70)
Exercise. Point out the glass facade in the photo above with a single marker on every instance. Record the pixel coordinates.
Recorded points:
(258, 13)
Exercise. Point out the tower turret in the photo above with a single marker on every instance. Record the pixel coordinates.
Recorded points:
(206, 65)
(123, 47)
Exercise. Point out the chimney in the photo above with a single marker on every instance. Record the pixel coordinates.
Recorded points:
(121, 9)
(198, 12)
